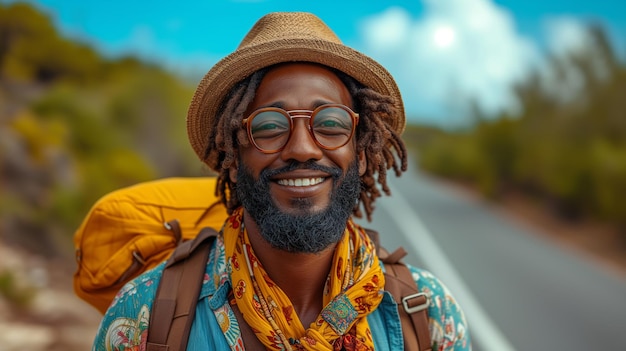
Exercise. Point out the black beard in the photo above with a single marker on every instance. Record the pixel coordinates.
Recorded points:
(306, 231)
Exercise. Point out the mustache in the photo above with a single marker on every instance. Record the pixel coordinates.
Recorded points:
(267, 174)
(307, 230)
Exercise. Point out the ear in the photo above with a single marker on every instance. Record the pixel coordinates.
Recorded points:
(362, 162)
(232, 172)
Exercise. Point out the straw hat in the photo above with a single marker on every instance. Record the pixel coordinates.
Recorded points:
(277, 38)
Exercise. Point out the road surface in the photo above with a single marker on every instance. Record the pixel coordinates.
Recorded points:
(520, 291)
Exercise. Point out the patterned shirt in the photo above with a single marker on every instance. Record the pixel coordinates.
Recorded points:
(215, 327)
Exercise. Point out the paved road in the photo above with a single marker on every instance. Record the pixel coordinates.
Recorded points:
(520, 291)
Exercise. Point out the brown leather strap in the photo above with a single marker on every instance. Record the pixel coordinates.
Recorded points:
(412, 305)
(174, 307)
(174, 227)
(250, 340)
(177, 295)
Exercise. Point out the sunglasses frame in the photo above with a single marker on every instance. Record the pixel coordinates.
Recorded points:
(291, 114)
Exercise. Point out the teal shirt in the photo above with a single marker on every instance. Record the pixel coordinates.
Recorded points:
(125, 324)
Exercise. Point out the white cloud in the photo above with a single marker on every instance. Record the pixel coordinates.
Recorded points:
(457, 50)
(566, 34)
(389, 30)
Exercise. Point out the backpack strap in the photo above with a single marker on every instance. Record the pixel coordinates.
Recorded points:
(412, 305)
(250, 339)
(174, 307)
(173, 311)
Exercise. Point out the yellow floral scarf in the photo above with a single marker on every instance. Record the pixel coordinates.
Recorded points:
(353, 290)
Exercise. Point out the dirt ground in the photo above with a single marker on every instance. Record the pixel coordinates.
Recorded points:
(54, 319)
(57, 320)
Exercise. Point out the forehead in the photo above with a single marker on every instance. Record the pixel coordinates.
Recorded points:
(302, 85)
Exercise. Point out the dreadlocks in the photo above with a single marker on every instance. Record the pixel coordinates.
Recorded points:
(374, 136)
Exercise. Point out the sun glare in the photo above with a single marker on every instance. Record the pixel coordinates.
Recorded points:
(444, 37)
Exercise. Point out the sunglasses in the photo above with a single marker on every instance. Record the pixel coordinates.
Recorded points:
(330, 125)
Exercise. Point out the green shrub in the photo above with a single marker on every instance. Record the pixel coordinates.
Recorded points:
(20, 296)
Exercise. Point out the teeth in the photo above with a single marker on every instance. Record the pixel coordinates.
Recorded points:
(300, 181)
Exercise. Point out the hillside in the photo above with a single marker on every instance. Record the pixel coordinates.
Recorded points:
(42, 313)
(74, 125)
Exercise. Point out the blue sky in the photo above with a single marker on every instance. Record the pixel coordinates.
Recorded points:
(442, 52)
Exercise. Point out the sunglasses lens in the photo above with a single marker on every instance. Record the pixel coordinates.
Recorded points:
(270, 130)
(332, 126)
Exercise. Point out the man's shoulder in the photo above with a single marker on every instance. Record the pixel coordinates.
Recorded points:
(126, 322)
(142, 289)
(138, 291)
(425, 279)
(429, 283)
(448, 323)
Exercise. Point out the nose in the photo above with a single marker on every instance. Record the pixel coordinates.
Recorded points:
(301, 145)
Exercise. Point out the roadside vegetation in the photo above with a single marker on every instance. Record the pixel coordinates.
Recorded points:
(10, 289)
(565, 148)
(75, 125)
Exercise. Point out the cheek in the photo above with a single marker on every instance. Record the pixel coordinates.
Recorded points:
(346, 156)
(255, 161)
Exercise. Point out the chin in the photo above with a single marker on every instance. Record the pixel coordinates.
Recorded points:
(304, 206)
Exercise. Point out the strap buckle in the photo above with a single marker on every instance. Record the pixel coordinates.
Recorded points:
(138, 257)
(419, 307)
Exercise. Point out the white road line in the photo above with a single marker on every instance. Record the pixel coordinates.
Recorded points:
(484, 332)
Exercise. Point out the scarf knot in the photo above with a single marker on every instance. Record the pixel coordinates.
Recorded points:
(353, 290)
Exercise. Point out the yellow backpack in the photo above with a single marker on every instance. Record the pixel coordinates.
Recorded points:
(126, 232)
(134, 229)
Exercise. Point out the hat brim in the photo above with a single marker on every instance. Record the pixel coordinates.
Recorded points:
(220, 79)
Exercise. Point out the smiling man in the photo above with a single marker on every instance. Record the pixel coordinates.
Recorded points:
(299, 196)
(301, 131)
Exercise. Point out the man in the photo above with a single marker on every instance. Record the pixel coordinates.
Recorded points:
(300, 129)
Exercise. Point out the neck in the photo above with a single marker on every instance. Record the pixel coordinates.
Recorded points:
(301, 276)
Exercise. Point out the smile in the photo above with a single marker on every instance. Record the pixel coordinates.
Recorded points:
(300, 181)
